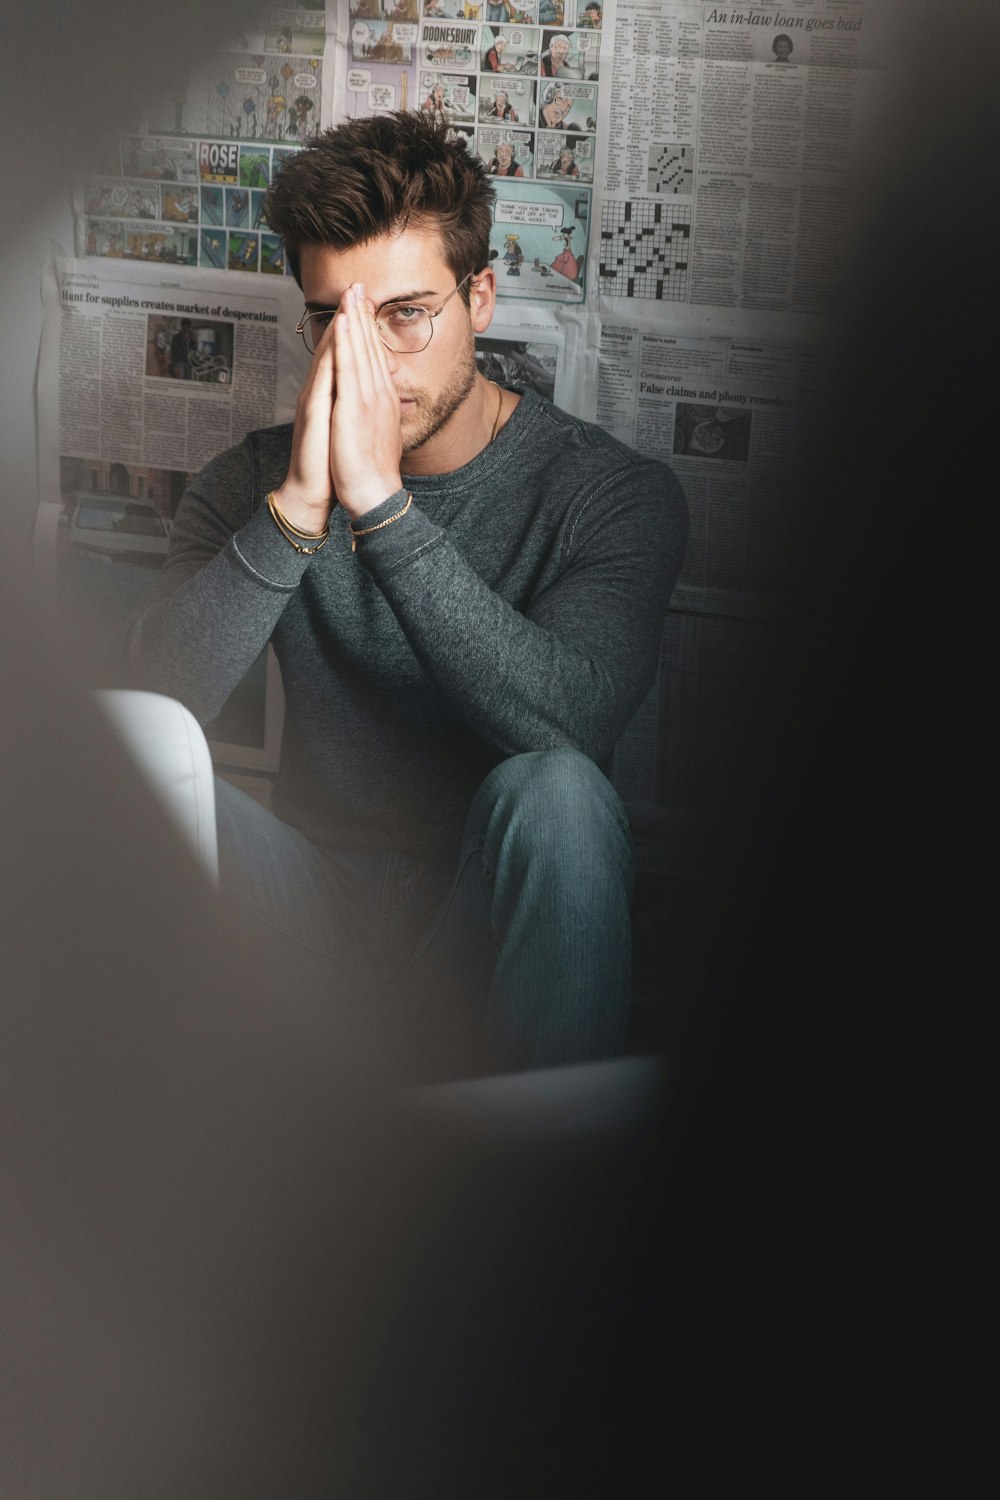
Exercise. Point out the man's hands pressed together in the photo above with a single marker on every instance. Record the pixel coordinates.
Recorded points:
(346, 446)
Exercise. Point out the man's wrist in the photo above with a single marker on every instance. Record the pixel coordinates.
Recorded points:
(310, 516)
(369, 496)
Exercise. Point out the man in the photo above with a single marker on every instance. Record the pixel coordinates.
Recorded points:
(180, 351)
(465, 588)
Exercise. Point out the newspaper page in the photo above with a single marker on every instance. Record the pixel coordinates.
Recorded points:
(732, 417)
(737, 140)
(143, 378)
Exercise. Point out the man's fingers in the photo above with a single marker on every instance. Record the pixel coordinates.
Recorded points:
(360, 354)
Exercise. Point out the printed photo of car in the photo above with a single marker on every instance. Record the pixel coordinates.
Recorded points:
(116, 529)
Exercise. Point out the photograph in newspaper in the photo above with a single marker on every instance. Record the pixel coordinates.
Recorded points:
(528, 363)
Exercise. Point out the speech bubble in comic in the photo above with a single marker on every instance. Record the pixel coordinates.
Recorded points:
(305, 80)
(382, 96)
(404, 31)
(251, 75)
(358, 79)
(361, 34)
(508, 212)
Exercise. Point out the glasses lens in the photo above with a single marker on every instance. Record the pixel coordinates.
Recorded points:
(313, 328)
(405, 330)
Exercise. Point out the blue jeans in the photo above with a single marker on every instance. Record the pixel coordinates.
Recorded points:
(524, 949)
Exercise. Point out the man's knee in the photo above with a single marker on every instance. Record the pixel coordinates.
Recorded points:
(552, 804)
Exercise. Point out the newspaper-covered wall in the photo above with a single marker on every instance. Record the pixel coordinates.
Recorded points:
(676, 187)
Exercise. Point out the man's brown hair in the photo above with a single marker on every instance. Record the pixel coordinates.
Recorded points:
(377, 176)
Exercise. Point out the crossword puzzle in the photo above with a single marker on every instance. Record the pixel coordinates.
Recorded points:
(644, 250)
(670, 169)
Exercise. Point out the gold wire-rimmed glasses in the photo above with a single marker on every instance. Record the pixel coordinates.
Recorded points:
(403, 327)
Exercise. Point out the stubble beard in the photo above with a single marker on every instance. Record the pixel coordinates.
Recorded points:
(429, 417)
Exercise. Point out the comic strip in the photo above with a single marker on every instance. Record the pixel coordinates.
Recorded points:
(449, 96)
(507, 153)
(574, 56)
(508, 100)
(565, 156)
(158, 156)
(509, 49)
(225, 213)
(539, 239)
(244, 96)
(568, 106)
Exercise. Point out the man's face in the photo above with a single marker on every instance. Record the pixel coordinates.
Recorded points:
(559, 51)
(560, 107)
(410, 267)
(782, 49)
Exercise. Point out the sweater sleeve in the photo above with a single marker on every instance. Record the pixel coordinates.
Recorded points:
(575, 665)
(226, 581)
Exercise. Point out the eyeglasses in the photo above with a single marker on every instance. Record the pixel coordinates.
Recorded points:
(403, 327)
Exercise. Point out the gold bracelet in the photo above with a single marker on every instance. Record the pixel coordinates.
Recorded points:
(290, 532)
(367, 530)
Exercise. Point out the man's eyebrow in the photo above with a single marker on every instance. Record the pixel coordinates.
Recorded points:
(396, 297)
(409, 296)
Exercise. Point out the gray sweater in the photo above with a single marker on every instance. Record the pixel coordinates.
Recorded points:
(518, 605)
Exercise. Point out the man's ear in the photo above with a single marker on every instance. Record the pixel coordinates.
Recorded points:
(483, 300)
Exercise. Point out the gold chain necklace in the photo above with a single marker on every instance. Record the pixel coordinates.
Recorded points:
(496, 424)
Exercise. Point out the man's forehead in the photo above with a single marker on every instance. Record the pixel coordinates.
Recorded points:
(390, 264)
